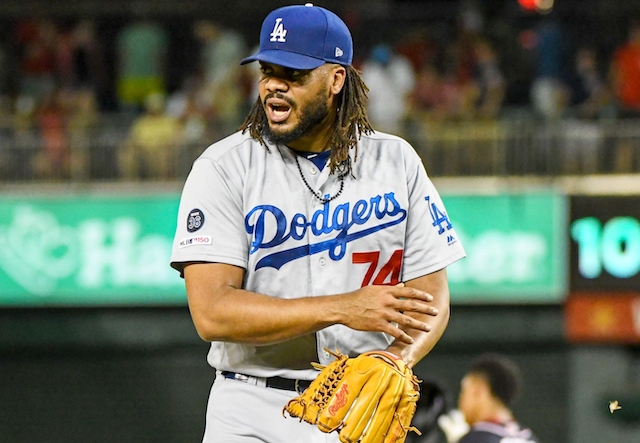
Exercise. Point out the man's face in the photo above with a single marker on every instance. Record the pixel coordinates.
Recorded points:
(296, 102)
(470, 393)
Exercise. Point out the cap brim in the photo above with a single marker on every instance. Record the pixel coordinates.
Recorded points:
(283, 58)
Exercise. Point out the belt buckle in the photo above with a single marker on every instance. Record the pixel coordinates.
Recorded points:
(241, 377)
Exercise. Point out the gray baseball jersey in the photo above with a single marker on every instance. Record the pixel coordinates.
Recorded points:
(248, 206)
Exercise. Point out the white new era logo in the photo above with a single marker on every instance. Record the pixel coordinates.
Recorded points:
(339, 52)
(279, 33)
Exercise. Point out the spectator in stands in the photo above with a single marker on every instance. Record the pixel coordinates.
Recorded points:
(390, 78)
(488, 82)
(435, 96)
(194, 112)
(459, 60)
(63, 54)
(582, 133)
(25, 138)
(624, 77)
(88, 68)
(427, 99)
(549, 93)
(420, 47)
(590, 94)
(459, 57)
(151, 150)
(81, 125)
(37, 59)
(220, 50)
(142, 47)
(250, 79)
(625, 73)
(52, 161)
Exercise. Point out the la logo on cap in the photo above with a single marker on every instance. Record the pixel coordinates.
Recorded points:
(279, 33)
(303, 38)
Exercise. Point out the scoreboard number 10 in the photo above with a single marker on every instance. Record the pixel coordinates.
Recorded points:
(614, 246)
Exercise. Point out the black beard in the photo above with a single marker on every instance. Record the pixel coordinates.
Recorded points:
(311, 116)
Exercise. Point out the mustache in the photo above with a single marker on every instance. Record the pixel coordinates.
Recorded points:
(279, 96)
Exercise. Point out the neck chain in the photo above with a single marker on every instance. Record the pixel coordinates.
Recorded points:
(315, 194)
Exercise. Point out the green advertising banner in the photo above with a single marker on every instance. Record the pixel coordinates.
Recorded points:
(516, 248)
(106, 250)
(115, 250)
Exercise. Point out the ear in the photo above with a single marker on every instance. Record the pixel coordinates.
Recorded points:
(337, 76)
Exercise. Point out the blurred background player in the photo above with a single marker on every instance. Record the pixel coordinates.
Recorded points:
(487, 394)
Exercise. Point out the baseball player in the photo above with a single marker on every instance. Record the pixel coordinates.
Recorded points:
(307, 232)
(487, 393)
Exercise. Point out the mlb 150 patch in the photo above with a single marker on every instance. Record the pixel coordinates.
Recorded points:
(192, 241)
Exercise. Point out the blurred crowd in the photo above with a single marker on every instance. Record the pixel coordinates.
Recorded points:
(59, 79)
(63, 85)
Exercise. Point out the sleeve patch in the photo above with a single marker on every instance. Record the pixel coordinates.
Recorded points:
(195, 220)
(193, 241)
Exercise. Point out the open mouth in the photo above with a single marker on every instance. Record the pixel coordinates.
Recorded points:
(277, 110)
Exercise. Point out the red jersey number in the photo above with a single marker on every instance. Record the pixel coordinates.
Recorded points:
(389, 274)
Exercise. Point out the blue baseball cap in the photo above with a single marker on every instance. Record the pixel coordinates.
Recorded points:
(303, 37)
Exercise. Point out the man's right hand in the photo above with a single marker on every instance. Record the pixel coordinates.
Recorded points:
(383, 309)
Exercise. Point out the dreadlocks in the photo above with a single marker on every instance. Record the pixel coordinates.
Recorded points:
(351, 122)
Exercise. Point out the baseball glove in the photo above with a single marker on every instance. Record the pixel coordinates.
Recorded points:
(367, 399)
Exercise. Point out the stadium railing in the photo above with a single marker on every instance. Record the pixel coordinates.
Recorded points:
(505, 147)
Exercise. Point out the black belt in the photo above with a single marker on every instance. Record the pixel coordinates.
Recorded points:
(287, 384)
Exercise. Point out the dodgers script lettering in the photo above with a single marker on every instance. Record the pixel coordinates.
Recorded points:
(270, 227)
